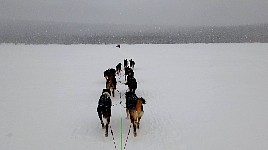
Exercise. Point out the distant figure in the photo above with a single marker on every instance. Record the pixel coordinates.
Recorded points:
(118, 46)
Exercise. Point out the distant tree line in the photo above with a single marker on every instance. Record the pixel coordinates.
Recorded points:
(67, 33)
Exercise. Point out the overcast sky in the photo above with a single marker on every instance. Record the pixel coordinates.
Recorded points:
(156, 12)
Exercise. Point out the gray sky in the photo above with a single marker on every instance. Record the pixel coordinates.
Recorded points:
(156, 12)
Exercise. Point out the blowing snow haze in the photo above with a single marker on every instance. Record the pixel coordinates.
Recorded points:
(133, 21)
(139, 12)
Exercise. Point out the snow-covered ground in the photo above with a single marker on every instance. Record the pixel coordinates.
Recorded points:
(199, 97)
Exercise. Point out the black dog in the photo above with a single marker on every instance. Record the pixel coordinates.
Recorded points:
(104, 109)
(118, 68)
(125, 63)
(131, 63)
(132, 84)
(128, 72)
(109, 73)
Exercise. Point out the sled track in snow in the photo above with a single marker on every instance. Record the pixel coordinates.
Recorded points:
(153, 123)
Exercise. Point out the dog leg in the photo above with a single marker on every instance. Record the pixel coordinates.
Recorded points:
(100, 116)
(107, 122)
(106, 130)
(127, 114)
(134, 129)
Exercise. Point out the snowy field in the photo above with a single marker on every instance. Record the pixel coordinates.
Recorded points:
(199, 97)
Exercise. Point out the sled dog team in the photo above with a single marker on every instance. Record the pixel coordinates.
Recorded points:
(134, 104)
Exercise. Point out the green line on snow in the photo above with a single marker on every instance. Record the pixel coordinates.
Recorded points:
(121, 131)
(121, 135)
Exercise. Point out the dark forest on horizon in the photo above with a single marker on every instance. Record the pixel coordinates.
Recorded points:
(70, 33)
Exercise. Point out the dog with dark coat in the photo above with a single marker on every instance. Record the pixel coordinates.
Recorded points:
(118, 68)
(132, 84)
(128, 72)
(104, 109)
(109, 75)
(131, 63)
(125, 63)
